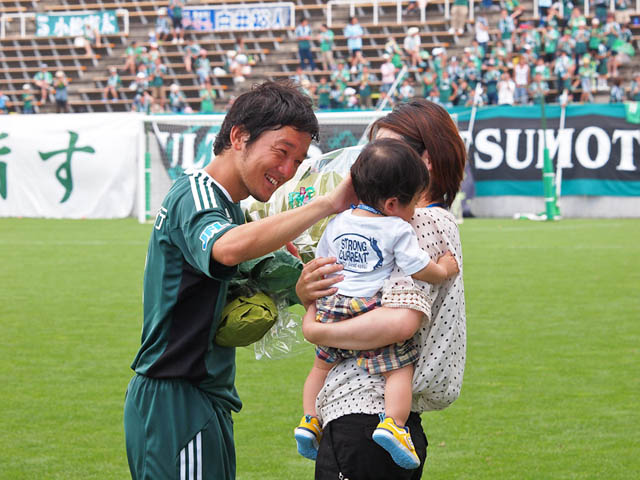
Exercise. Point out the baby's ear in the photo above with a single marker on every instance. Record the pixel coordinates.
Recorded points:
(390, 205)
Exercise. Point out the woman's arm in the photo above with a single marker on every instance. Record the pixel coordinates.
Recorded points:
(371, 330)
(374, 329)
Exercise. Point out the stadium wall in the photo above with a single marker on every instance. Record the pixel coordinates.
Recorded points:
(118, 165)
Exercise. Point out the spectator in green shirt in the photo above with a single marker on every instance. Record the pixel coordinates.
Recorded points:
(448, 89)
(113, 83)
(324, 94)
(326, 48)
(581, 37)
(490, 80)
(634, 90)
(303, 35)
(157, 71)
(595, 36)
(550, 37)
(616, 95)
(208, 96)
(191, 52)
(538, 89)
(43, 80)
(132, 53)
(175, 12)
(586, 74)
(203, 66)
(61, 96)
(514, 8)
(365, 91)
(507, 27)
(576, 19)
(27, 99)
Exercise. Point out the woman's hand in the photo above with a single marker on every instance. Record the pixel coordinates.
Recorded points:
(309, 323)
(313, 283)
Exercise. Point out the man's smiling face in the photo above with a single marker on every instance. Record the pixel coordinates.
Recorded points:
(272, 160)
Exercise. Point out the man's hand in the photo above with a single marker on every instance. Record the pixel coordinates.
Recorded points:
(342, 196)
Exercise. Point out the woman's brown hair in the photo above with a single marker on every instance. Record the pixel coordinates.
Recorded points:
(425, 125)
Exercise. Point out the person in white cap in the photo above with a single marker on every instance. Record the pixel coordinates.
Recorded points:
(177, 100)
(61, 96)
(163, 25)
(411, 46)
(113, 83)
(27, 99)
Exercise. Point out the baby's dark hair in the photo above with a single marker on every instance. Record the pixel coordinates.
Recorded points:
(388, 168)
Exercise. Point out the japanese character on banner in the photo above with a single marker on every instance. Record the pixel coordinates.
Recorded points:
(76, 26)
(61, 29)
(223, 20)
(42, 26)
(93, 21)
(279, 17)
(109, 23)
(63, 173)
(261, 18)
(242, 19)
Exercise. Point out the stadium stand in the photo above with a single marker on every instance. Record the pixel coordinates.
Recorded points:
(273, 54)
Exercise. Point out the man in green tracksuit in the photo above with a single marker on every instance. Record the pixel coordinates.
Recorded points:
(177, 413)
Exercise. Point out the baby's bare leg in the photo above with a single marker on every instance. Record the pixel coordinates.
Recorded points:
(313, 384)
(397, 394)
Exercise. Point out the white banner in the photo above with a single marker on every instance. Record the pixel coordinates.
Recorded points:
(249, 16)
(68, 166)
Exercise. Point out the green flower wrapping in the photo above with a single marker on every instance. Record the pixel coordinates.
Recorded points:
(245, 320)
(261, 288)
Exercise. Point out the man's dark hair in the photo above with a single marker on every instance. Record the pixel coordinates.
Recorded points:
(388, 168)
(268, 106)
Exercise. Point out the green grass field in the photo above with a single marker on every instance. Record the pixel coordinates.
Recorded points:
(551, 390)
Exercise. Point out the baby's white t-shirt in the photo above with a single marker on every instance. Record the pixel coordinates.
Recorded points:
(369, 248)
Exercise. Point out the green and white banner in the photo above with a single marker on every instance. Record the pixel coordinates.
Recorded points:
(73, 25)
(68, 166)
(597, 148)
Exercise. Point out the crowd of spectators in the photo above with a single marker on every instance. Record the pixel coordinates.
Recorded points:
(558, 58)
(149, 85)
(46, 88)
(511, 60)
